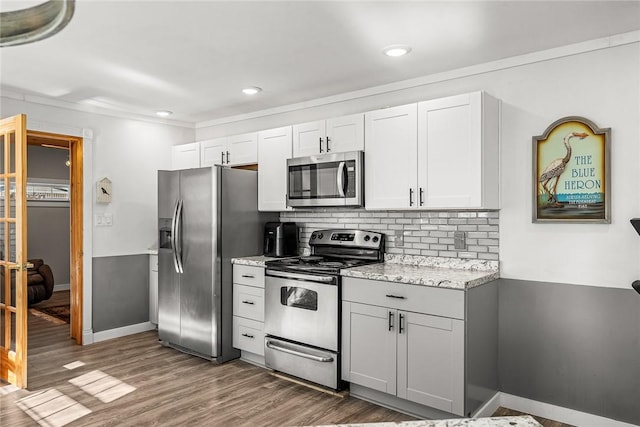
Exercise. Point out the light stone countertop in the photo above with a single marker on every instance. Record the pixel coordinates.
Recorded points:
(254, 261)
(438, 272)
(519, 421)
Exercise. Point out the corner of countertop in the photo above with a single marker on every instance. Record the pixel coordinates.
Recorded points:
(444, 262)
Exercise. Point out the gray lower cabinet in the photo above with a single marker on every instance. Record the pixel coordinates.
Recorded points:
(248, 311)
(392, 345)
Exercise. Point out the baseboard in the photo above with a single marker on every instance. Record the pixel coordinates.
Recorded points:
(123, 331)
(62, 287)
(547, 410)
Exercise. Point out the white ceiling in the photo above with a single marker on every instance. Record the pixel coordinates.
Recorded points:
(194, 57)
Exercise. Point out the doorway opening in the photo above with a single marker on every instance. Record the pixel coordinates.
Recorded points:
(73, 145)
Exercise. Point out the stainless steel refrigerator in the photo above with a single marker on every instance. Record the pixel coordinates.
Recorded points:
(206, 216)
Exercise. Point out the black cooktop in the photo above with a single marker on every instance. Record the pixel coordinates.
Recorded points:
(333, 250)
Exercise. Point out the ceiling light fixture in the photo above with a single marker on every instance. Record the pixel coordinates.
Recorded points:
(164, 113)
(34, 23)
(251, 90)
(396, 50)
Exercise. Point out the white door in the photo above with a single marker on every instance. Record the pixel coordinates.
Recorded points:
(450, 151)
(390, 158)
(185, 156)
(431, 361)
(309, 139)
(214, 151)
(243, 149)
(369, 346)
(274, 148)
(345, 133)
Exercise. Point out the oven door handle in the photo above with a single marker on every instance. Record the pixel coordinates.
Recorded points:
(272, 346)
(307, 277)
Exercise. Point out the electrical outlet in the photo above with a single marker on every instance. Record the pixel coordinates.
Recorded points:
(399, 238)
(98, 220)
(460, 240)
(108, 220)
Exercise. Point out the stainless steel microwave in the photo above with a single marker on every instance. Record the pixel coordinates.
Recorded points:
(334, 179)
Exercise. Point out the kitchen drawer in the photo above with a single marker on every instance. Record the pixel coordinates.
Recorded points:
(248, 335)
(416, 298)
(248, 301)
(248, 275)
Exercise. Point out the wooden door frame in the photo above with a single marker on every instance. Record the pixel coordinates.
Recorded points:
(75, 146)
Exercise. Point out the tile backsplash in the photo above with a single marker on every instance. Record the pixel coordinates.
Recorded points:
(426, 233)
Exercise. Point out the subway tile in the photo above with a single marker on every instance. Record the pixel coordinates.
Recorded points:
(489, 214)
(487, 228)
(429, 239)
(478, 221)
(477, 249)
(448, 254)
(477, 235)
(472, 255)
(488, 256)
(467, 228)
(429, 252)
(445, 241)
(467, 214)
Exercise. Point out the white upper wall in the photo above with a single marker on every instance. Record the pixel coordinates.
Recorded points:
(128, 152)
(590, 80)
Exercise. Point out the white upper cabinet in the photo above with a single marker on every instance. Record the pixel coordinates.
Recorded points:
(274, 148)
(438, 154)
(230, 151)
(213, 151)
(390, 158)
(458, 152)
(185, 156)
(339, 134)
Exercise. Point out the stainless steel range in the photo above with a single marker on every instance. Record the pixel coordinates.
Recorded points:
(302, 303)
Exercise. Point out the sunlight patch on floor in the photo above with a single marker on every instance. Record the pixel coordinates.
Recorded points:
(73, 365)
(102, 386)
(8, 389)
(52, 408)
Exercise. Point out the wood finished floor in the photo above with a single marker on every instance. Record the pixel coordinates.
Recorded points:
(177, 389)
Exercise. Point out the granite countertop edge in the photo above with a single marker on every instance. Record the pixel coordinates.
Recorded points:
(253, 261)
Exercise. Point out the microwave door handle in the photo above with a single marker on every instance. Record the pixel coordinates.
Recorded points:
(340, 179)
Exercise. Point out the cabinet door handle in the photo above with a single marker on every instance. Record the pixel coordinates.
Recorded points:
(421, 196)
(248, 335)
(328, 141)
(222, 157)
(248, 302)
(400, 327)
(390, 320)
(250, 276)
(395, 296)
(321, 145)
(411, 197)
(228, 157)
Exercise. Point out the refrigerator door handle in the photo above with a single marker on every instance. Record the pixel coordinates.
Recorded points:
(174, 249)
(179, 237)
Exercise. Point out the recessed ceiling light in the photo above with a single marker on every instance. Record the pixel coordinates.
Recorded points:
(251, 90)
(164, 113)
(396, 50)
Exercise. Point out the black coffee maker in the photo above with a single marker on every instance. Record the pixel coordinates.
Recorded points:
(280, 239)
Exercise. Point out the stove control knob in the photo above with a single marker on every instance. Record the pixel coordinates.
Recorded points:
(366, 238)
(313, 236)
(375, 239)
(320, 236)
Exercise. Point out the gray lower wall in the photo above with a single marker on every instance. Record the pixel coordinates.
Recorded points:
(573, 346)
(120, 291)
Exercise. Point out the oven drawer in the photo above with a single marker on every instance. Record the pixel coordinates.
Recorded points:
(311, 364)
(248, 302)
(248, 335)
(416, 298)
(248, 275)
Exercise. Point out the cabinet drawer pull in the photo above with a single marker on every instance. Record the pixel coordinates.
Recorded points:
(321, 145)
(248, 336)
(328, 141)
(222, 157)
(390, 320)
(395, 296)
(248, 302)
(421, 196)
(249, 276)
(400, 327)
(411, 197)
(228, 157)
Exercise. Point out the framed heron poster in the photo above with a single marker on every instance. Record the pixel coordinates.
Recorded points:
(571, 173)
